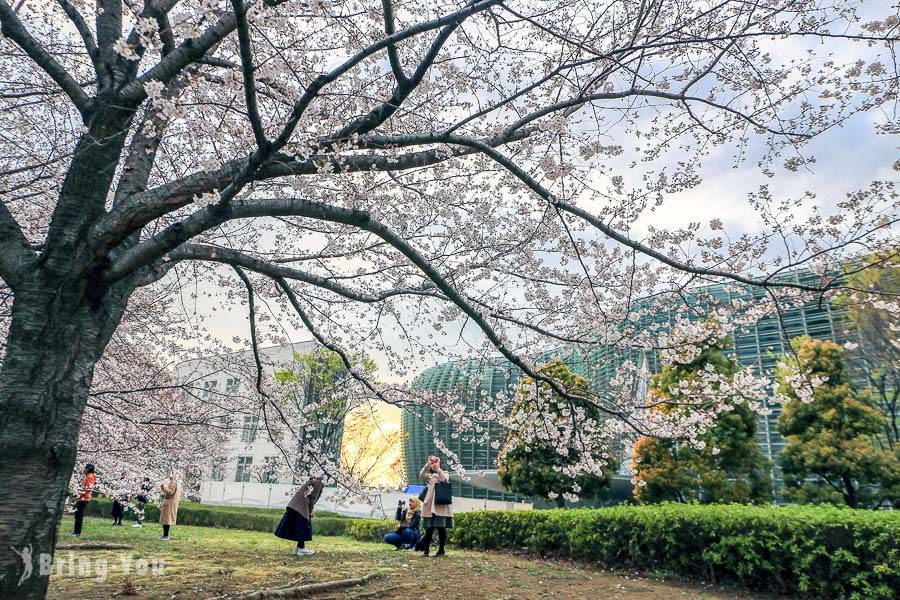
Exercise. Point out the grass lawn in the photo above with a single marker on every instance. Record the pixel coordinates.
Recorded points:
(204, 562)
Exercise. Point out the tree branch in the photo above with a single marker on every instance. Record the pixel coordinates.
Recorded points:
(390, 29)
(404, 88)
(189, 51)
(17, 259)
(243, 30)
(83, 30)
(12, 27)
(253, 341)
(609, 231)
(238, 259)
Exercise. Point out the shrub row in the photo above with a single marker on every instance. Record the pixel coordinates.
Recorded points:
(252, 519)
(818, 552)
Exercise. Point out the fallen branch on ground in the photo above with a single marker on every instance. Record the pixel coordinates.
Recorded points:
(94, 546)
(300, 591)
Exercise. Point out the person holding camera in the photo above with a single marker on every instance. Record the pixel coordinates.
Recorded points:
(436, 509)
(296, 524)
(168, 512)
(84, 493)
(407, 533)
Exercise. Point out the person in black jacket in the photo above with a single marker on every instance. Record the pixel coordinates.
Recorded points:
(141, 500)
(407, 533)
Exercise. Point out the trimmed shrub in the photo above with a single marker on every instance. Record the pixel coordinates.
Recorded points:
(331, 525)
(229, 517)
(371, 530)
(818, 552)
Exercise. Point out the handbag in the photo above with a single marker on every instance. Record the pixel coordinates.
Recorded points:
(443, 493)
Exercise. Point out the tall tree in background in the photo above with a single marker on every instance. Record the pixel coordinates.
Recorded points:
(535, 459)
(832, 450)
(324, 380)
(371, 172)
(725, 464)
(874, 318)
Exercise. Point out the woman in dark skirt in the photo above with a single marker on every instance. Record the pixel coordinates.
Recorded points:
(296, 524)
(435, 516)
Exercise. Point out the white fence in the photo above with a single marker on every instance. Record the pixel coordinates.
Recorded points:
(277, 495)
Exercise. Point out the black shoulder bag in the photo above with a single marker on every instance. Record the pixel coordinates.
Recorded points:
(443, 493)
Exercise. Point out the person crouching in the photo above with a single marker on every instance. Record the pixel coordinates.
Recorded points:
(407, 533)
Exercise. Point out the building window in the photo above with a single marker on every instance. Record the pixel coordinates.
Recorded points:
(242, 475)
(218, 470)
(270, 470)
(231, 386)
(209, 388)
(250, 425)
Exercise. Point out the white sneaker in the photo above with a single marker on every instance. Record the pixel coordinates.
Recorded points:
(137, 525)
(306, 552)
(164, 538)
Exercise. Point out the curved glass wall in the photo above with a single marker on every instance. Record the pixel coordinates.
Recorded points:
(759, 346)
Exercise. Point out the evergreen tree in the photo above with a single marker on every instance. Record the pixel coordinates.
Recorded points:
(875, 353)
(833, 433)
(730, 467)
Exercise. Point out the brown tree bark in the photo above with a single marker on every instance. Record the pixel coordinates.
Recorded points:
(62, 319)
(43, 388)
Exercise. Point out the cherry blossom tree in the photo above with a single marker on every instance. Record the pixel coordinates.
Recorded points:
(386, 175)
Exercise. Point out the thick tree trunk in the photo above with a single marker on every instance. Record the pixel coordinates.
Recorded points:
(62, 318)
(55, 339)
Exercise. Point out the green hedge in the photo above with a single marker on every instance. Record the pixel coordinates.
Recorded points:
(371, 530)
(818, 552)
(231, 517)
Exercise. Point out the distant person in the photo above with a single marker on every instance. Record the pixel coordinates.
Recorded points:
(168, 512)
(407, 533)
(120, 498)
(141, 500)
(84, 493)
(296, 524)
(436, 516)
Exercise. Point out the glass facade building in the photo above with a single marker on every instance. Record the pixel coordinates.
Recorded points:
(473, 380)
(759, 345)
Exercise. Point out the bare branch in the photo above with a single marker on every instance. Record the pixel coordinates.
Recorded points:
(12, 27)
(243, 29)
(238, 259)
(253, 341)
(83, 30)
(390, 29)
